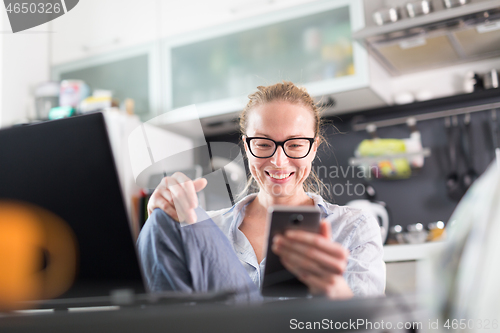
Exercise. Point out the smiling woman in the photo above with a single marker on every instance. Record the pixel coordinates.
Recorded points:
(225, 251)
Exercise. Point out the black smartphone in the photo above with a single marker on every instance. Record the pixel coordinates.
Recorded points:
(278, 282)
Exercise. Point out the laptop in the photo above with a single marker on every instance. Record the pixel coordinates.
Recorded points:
(66, 166)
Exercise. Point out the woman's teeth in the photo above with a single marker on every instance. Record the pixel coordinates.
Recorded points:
(282, 176)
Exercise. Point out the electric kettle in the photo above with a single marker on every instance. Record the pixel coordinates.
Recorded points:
(376, 209)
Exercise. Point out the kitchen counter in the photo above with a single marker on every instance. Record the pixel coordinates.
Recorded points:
(404, 265)
(410, 252)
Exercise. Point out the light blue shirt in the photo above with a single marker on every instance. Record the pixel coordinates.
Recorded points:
(351, 227)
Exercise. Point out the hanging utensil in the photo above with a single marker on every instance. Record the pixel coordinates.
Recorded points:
(495, 135)
(492, 126)
(470, 174)
(453, 185)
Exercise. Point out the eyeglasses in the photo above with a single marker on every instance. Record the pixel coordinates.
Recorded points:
(293, 148)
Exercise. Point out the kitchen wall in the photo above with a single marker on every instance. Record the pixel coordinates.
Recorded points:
(24, 62)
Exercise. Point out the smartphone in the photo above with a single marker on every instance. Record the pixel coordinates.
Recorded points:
(278, 282)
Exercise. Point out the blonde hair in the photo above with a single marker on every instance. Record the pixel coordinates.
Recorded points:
(287, 92)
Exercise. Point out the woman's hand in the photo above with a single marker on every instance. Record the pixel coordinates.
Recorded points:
(176, 195)
(315, 260)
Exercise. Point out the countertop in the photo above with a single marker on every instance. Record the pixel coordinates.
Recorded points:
(410, 252)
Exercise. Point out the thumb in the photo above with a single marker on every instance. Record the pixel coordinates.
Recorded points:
(325, 229)
(199, 184)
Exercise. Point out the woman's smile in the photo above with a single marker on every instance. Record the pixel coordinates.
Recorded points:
(279, 177)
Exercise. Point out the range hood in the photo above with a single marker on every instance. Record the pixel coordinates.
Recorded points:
(441, 38)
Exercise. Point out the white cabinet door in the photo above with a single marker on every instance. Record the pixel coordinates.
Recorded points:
(98, 26)
(310, 44)
(179, 17)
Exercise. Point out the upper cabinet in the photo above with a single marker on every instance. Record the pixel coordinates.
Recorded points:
(310, 45)
(99, 26)
(129, 73)
(216, 67)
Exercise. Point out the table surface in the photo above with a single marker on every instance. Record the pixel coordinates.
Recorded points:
(265, 317)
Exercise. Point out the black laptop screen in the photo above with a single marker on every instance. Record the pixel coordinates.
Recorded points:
(66, 166)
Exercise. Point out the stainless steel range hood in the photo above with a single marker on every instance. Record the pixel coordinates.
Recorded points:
(442, 38)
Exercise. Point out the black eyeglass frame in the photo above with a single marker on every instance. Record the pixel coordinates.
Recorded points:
(277, 144)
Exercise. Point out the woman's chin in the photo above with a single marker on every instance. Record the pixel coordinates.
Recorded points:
(280, 190)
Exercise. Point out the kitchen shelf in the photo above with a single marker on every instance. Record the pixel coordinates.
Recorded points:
(411, 252)
(388, 114)
(429, 116)
(426, 152)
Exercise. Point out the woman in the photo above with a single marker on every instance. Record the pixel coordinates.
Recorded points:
(281, 134)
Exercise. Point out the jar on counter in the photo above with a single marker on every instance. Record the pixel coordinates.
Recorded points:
(436, 231)
(395, 235)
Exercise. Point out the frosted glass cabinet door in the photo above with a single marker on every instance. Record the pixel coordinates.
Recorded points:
(312, 48)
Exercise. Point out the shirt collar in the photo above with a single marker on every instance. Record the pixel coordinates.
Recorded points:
(242, 203)
(318, 201)
(239, 207)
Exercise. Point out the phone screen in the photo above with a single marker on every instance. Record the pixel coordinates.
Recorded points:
(278, 282)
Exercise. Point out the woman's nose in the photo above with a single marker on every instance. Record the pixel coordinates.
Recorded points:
(279, 158)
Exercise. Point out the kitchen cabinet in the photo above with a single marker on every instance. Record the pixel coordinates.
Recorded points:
(217, 67)
(309, 44)
(405, 265)
(128, 73)
(410, 252)
(95, 27)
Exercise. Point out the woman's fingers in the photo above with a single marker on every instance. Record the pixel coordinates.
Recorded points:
(199, 184)
(184, 195)
(168, 208)
(158, 199)
(185, 190)
(317, 241)
(182, 203)
(176, 195)
(325, 229)
(309, 257)
(317, 285)
(321, 272)
(299, 263)
(336, 288)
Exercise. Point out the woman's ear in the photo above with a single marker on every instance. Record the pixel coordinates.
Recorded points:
(244, 139)
(316, 144)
